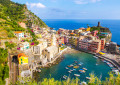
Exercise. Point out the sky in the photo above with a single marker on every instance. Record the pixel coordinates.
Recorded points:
(74, 9)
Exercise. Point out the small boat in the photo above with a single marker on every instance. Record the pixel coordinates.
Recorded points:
(111, 66)
(76, 75)
(69, 66)
(88, 78)
(104, 61)
(69, 71)
(114, 68)
(80, 63)
(95, 57)
(96, 64)
(81, 69)
(66, 68)
(76, 66)
(76, 62)
(83, 83)
(65, 77)
(116, 72)
(84, 68)
(74, 69)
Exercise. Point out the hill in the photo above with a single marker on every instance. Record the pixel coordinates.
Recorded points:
(11, 14)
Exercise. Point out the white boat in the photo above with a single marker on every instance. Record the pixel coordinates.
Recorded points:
(84, 68)
(95, 57)
(76, 75)
(104, 61)
(66, 67)
(71, 65)
(74, 69)
(116, 71)
(114, 68)
(88, 78)
(111, 65)
(83, 83)
(69, 71)
(65, 77)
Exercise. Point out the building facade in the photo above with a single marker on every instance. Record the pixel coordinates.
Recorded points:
(50, 52)
(19, 35)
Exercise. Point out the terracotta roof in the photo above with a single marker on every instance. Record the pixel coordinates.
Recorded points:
(18, 32)
(72, 33)
(21, 54)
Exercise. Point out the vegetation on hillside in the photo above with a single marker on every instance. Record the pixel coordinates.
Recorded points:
(100, 29)
(10, 45)
(34, 37)
(11, 14)
(4, 69)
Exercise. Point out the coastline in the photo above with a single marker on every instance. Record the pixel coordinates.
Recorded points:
(60, 57)
(113, 62)
(69, 50)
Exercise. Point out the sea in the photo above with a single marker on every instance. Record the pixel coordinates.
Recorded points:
(71, 24)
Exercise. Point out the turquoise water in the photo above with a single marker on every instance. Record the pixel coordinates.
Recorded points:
(89, 62)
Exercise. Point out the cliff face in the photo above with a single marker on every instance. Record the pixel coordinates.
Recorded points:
(16, 17)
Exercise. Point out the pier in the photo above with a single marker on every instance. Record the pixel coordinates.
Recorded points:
(113, 62)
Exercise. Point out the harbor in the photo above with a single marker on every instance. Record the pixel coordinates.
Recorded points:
(74, 65)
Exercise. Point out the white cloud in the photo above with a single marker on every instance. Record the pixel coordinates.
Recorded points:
(38, 5)
(95, 1)
(85, 1)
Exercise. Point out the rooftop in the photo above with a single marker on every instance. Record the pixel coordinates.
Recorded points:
(51, 48)
(18, 32)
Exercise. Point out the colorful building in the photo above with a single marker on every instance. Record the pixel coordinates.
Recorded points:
(19, 34)
(23, 46)
(50, 52)
(60, 40)
(89, 44)
(88, 29)
(102, 43)
(94, 33)
(22, 24)
(22, 58)
(73, 41)
(66, 39)
(37, 50)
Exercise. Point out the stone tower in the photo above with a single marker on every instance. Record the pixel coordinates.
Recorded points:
(98, 24)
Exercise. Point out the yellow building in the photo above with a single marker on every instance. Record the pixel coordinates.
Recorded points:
(73, 41)
(22, 58)
(88, 29)
(39, 35)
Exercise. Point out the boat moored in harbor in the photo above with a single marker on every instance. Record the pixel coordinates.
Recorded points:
(76, 75)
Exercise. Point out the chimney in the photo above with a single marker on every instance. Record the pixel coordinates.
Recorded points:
(98, 24)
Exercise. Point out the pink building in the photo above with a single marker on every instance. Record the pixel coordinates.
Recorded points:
(89, 44)
(66, 39)
(60, 40)
(94, 33)
(102, 43)
(61, 30)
